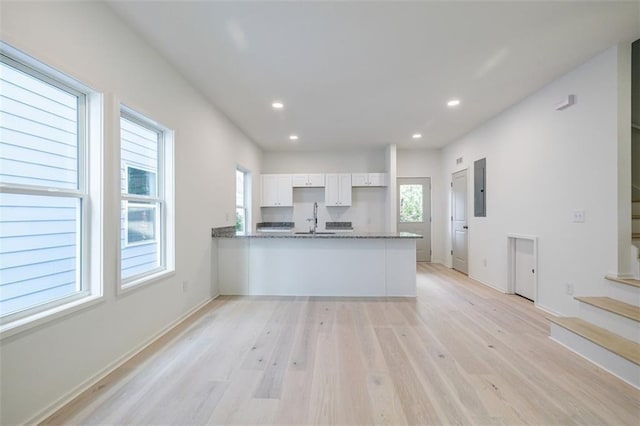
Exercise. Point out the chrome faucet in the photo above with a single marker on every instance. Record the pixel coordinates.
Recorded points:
(314, 219)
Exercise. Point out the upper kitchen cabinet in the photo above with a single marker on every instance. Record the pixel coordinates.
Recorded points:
(337, 190)
(368, 179)
(308, 181)
(277, 191)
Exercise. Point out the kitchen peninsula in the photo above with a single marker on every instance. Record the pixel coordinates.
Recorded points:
(340, 264)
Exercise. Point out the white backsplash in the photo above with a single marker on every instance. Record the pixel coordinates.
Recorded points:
(367, 212)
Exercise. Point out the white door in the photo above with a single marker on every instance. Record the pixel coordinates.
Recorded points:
(525, 269)
(414, 213)
(459, 228)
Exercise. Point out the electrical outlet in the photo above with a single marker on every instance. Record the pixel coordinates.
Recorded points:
(568, 288)
(185, 286)
(577, 216)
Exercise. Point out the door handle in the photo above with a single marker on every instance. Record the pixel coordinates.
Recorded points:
(465, 227)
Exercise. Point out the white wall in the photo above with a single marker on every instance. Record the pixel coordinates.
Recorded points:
(427, 163)
(367, 212)
(542, 164)
(87, 41)
(372, 160)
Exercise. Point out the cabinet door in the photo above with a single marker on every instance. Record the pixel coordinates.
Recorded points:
(316, 180)
(331, 190)
(269, 191)
(285, 191)
(377, 179)
(299, 180)
(360, 179)
(344, 197)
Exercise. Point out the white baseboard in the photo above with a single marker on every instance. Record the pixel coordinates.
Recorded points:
(87, 384)
(621, 368)
(488, 285)
(547, 310)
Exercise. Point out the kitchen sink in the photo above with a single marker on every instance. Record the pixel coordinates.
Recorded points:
(315, 233)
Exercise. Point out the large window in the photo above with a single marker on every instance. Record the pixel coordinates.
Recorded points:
(146, 182)
(243, 221)
(44, 188)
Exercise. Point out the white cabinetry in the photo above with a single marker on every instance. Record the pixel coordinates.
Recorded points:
(276, 191)
(315, 180)
(369, 179)
(337, 190)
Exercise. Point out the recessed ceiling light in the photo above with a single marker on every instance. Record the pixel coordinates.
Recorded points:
(453, 103)
(277, 105)
(417, 135)
(293, 137)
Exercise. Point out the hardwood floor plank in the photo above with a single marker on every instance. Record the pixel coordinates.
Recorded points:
(437, 390)
(324, 384)
(460, 353)
(416, 406)
(304, 346)
(259, 354)
(385, 401)
(372, 353)
(352, 380)
(271, 384)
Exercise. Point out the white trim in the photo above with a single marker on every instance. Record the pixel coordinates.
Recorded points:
(165, 198)
(547, 310)
(511, 252)
(93, 380)
(28, 322)
(89, 222)
(145, 279)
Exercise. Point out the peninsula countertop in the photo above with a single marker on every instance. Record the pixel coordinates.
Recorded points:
(225, 232)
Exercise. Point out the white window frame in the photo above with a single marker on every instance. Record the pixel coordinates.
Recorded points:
(165, 214)
(128, 203)
(246, 201)
(89, 275)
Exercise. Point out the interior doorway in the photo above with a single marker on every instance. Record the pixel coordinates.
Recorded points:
(414, 213)
(459, 226)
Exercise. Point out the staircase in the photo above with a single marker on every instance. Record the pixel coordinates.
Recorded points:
(613, 344)
(607, 329)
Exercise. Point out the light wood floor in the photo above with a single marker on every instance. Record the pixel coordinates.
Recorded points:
(460, 353)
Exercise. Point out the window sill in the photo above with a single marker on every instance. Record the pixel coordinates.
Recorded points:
(145, 281)
(23, 324)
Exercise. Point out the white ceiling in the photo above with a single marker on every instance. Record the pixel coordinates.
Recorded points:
(363, 74)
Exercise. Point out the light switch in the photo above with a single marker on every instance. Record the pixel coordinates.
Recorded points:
(578, 216)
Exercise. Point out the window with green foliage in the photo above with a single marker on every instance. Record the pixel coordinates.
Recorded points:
(411, 203)
(242, 214)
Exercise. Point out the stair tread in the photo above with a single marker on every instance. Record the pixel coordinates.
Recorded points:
(625, 348)
(628, 281)
(612, 305)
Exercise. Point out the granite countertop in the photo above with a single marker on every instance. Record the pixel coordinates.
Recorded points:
(229, 232)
